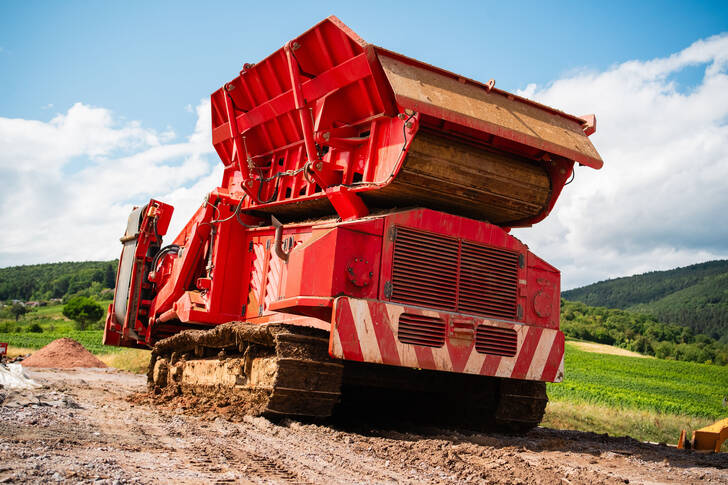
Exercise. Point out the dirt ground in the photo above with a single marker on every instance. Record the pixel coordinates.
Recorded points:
(88, 430)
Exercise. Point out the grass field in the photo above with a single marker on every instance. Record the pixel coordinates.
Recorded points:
(55, 326)
(662, 386)
(648, 399)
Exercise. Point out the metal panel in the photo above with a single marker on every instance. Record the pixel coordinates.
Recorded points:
(367, 331)
(421, 330)
(448, 273)
(496, 341)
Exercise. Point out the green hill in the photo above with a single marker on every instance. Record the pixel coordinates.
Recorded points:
(695, 296)
(55, 280)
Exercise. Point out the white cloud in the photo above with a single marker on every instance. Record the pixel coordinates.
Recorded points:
(660, 200)
(68, 185)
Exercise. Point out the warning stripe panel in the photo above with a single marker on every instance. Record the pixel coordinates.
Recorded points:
(393, 334)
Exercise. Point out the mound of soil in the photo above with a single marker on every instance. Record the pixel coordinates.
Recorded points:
(63, 353)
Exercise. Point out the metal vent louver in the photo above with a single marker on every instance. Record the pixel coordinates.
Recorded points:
(448, 273)
(496, 341)
(421, 330)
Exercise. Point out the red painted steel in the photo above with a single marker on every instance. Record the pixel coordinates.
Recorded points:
(449, 273)
(309, 135)
(3, 348)
(328, 118)
(496, 341)
(370, 331)
(421, 330)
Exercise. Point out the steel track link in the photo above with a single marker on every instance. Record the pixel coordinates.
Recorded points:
(281, 371)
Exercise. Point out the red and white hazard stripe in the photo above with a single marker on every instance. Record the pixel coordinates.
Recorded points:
(366, 331)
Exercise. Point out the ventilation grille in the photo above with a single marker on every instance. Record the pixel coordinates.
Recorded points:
(450, 274)
(421, 330)
(496, 341)
(424, 269)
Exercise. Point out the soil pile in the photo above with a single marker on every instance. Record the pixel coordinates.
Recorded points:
(63, 353)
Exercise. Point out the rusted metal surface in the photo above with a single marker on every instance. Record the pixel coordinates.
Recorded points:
(444, 95)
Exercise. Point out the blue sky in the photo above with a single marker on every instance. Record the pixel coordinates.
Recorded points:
(146, 61)
(104, 105)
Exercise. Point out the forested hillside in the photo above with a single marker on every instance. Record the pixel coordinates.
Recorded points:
(641, 333)
(55, 280)
(694, 296)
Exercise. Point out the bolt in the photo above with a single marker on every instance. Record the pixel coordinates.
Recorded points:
(319, 165)
(327, 136)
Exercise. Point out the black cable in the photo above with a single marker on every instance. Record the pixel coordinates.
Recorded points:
(260, 188)
(237, 209)
(404, 130)
(300, 69)
(232, 100)
(573, 176)
(161, 252)
(404, 147)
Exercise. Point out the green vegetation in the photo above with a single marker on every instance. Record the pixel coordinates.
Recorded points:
(661, 386)
(132, 360)
(91, 339)
(83, 310)
(694, 296)
(43, 325)
(647, 399)
(18, 310)
(57, 280)
(640, 333)
(637, 423)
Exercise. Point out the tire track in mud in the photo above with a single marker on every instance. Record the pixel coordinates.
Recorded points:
(117, 437)
(233, 466)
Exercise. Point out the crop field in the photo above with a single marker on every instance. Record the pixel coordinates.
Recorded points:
(662, 386)
(91, 339)
(54, 326)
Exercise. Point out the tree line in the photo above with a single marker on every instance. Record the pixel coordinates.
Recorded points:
(695, 296)
(56, 280)
(641, 333)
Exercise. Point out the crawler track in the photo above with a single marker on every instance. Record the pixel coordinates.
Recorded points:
(270, 370)
(278, 371)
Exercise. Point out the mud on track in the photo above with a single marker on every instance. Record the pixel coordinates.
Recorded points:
(114, 439)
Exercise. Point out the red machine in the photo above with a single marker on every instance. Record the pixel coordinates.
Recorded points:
(365, 207)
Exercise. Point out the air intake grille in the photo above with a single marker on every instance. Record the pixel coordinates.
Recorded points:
(421, 330)
(496, 341)
(450, 274)
(425, 269)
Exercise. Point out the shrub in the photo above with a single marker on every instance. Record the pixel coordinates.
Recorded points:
(83, 311)
(35, 328)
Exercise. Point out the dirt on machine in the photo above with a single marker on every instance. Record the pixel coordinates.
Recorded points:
(357, 257)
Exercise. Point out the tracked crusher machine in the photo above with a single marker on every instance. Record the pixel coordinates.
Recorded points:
(357, 254)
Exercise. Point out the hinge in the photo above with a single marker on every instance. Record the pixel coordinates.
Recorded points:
(388, 289)
(520, 312)
(521, 261)
(267, 245)
(250, 247)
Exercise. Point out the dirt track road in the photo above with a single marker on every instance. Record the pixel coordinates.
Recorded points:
(110, 439)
